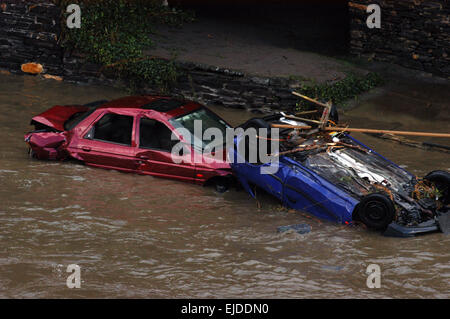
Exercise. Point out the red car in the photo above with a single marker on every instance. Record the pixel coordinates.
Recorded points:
(130, 134)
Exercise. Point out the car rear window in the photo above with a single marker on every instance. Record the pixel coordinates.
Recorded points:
(80, 116)
(164, 105)
(76, 118)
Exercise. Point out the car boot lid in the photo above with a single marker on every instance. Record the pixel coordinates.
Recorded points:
(56, 116)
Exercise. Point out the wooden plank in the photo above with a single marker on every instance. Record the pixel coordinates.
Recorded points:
(309, 99)
(407, 133)
(357, 6)
(291, 126)
(365, 130)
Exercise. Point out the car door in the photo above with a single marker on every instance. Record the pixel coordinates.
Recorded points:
(154, 153)
(304, 191)
(109, 142)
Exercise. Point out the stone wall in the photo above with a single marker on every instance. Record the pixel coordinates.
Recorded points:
(234, 89)
(414, 33)
(203, 83)
(29, 32)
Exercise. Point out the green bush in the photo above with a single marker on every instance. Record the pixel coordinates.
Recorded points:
(114, 34)
(340, 92)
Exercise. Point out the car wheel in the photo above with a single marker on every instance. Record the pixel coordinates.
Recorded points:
(376, 211)
(222, 185)
(220, 188)
(441, 179)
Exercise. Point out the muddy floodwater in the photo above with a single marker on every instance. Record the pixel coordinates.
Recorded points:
(139, 236)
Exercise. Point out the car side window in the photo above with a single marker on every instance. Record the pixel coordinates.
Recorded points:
(113, 128)
(155, 135)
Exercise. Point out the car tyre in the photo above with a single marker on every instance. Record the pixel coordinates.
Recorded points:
(441, 179)
(376, 211)
(220, 188)
(222, 185)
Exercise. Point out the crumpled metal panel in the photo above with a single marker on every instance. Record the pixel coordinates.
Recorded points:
(47, 145)
(56, 116)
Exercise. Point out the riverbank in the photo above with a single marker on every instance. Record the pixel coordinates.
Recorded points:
(235, 63)
(33, 35)
(243, 62)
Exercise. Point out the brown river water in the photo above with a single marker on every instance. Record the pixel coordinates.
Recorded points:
(138, 236)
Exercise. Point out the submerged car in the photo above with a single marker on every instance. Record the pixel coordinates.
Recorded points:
(333, 176)
(130, 134)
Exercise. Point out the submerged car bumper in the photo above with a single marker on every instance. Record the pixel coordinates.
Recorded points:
(396, 230)
(441, 223)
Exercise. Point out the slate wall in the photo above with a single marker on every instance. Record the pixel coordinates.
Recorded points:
(414, 33)
(203, 83)
(29, 32)
(234, 89)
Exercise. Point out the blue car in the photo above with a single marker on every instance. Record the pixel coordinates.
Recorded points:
(333, 176)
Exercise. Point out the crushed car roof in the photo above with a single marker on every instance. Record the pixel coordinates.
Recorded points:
(171, 106)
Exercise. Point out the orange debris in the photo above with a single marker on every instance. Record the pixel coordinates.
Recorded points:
(33, 68)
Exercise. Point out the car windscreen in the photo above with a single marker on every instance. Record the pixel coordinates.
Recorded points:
(208, 120)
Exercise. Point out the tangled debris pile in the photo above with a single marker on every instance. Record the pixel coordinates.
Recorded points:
(387, 196)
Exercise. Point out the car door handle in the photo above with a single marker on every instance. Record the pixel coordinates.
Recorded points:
(86, 148)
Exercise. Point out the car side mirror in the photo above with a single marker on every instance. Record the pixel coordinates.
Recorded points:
(90, 135)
